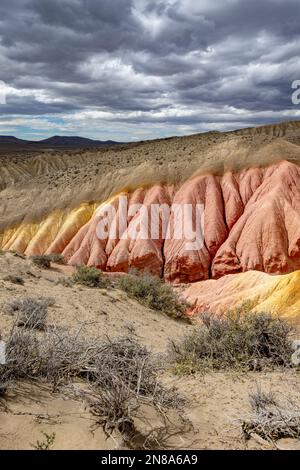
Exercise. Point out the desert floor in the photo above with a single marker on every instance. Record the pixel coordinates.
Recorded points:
(216, 402)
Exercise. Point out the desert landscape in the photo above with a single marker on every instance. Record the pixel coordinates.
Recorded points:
(67, 297)
(149, 231)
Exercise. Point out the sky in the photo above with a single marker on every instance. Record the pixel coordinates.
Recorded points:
(131, 70)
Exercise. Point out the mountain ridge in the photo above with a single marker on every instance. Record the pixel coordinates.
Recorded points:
(57, 141)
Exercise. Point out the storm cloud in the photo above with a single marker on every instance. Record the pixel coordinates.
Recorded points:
(136, 69)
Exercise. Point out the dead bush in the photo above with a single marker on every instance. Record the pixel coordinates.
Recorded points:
(126, 376)
(65, 356)
(53, 357)
(4, 386)
(270, 418)
(135, 366)
(121, 374)
(260, 399)
(250, 341)
(115, 407)
(5, 381)
(31, 312)
(153, 293)
(22, 357)
(89, 276)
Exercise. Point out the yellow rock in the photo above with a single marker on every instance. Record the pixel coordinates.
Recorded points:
(277, 294)
(50, 235)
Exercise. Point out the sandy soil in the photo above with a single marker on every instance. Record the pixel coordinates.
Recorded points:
(104, 312)
(33, 410)
(215, 402)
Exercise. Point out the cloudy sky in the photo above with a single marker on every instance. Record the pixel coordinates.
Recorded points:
(139, 69)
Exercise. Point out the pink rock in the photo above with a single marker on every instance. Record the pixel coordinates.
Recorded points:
(251, 222)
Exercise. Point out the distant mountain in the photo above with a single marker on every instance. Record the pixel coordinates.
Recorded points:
(66, 142)
(10, 139)
(74, 141)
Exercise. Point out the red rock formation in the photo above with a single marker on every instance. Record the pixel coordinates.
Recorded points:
(267, 235)
(251, 222)
(139, 252)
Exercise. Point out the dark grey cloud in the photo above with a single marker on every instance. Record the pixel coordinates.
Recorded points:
(184, 65)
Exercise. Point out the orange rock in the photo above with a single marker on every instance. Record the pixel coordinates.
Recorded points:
(141, 251)
(181, 264)
(251, 222)
(267, 236)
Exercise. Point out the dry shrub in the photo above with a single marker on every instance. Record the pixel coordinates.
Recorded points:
(56, 258)
(153, 293)
(90, 277)
(31, 312)
(22, 359)
(135, 366)
(5, 381)
(44, 261)
(249, 341)
(125, 377)
(121, 374)
(41, 261)
(65, 356)
(65, 282)
(14, 279)
(271, 419)
(52, 357)
(22, 355)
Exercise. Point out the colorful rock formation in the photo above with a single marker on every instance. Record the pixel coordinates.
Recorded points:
(250, 291)
(251, 222)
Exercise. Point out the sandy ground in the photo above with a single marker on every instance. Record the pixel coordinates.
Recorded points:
(34, 410)
(100, 312)
(216, 402)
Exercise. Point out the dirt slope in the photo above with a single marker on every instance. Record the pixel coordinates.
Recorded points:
(215, 402)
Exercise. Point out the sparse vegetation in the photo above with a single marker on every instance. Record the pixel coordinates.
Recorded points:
(56, 258)
(153, 293)
(249, 341)
(89, 276)
(125, 377)
(4, 384)
(65, 282)
(44, 261)
(41, 261)
(46, 443)
(17, 254)
(271, 419)
(31, 312)
(121, 374)
(14, 279)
